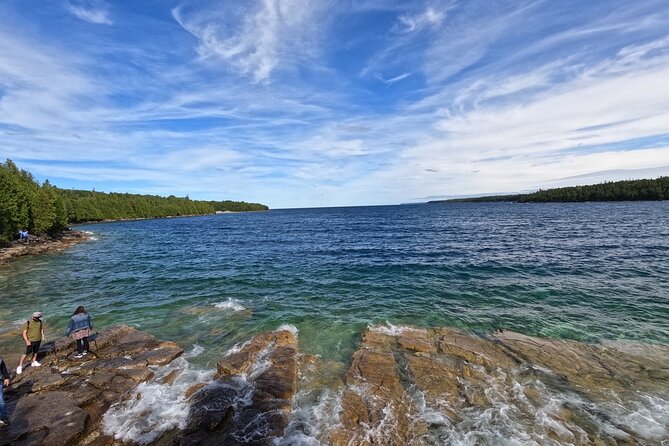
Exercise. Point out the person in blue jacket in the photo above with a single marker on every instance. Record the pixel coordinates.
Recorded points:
(80, 327)
(4, 419)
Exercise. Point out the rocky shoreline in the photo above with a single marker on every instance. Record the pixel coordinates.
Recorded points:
(41, 245)
(403, 386)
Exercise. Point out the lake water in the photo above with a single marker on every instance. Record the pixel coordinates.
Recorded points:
(584, 271)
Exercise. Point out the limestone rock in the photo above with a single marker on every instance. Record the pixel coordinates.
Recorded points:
(63, 401)
(249, 400)
(473, 349)
(49, 419)
(375, 398)
(164, 354)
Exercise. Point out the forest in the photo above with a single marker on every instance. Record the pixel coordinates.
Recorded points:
(628, 190)
(46, 209)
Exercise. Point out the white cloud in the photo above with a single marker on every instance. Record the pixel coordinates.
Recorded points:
(92, 11)
(392, 80)
(42, 89)
(277, 33)
(410, 23)
(506, 124)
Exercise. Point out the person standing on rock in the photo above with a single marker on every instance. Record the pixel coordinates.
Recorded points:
(4, 419)
(80, 327)
(33, 335)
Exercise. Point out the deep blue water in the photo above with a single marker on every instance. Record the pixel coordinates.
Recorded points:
(584, 271)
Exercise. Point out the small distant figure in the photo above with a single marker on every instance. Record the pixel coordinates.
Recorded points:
(33, 335)
(4, 419)
(80, 327)
(24, 236)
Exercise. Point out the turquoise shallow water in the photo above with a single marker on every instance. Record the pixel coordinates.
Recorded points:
(583, 271)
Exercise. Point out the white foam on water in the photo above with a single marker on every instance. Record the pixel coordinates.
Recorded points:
(154, 407)
(508, 418)
(288, 327)
(394, 330)
(230, 304)
(195, 351)
(236, 348)
(315, 414)
(647, 416)
(88, 232)
(261, 363)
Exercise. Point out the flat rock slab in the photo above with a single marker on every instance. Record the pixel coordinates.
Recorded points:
(414, 386)
(63, 401)
(48, 419)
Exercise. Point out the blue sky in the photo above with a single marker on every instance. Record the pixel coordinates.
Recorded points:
(326, 103)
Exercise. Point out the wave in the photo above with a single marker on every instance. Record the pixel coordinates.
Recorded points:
(230, 304)
(288, 327)
(155, 406)
(394, 330)
(195, 351)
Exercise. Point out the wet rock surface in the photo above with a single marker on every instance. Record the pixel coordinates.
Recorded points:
(414, 386)
(62, 401)
(41, 245)
(403, 386)
(249, 400)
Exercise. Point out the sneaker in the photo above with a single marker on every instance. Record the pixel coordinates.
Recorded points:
(19, 370)
(78, 356)
(84, 353)
(35, 364)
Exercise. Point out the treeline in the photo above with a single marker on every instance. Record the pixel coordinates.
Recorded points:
(628, 190)
(45, 209)
(487, 199)
(82, 206)
(25, 204)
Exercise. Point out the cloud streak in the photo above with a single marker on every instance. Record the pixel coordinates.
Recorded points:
(296, 103)
(257, 41)
(92, 11)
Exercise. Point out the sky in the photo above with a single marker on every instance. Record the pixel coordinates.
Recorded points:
(296, 103)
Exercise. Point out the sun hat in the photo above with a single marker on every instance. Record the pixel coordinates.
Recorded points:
(37, 314)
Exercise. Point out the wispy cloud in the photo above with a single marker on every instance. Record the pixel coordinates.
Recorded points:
(392, 80)
(297, 103)
(407, 23)
(92, 11)
(255, 40)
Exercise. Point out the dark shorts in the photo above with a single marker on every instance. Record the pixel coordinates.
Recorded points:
(33, 348)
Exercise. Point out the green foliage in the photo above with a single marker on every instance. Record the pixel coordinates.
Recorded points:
(45, 209)
(24, 204)
(630, 190)
(85, 206)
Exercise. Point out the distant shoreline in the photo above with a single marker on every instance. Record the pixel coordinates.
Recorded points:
(41, 245)
(115, 220)
(628, 190)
